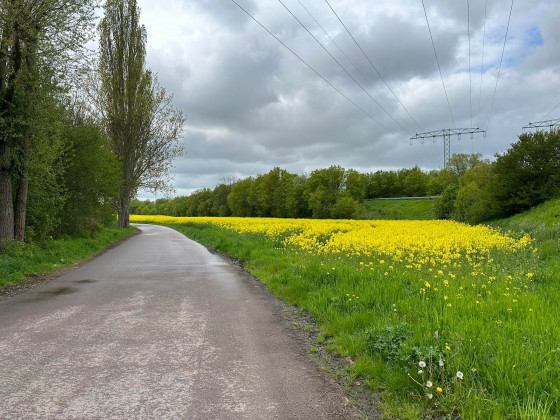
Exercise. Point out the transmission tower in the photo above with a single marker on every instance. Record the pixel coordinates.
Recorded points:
(446, 134)
(539, 125)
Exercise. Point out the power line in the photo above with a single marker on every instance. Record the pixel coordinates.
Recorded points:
(313, 70)
(469, 35)
(356, 68)
(439, 67)
(482, 61)
(500, 67)
(552, 110)
(341, 66)
(372, 65)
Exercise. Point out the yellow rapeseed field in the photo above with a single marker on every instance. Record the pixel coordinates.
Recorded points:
(415, 242)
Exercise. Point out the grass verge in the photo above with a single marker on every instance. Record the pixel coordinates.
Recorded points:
(22, 260)
(399, 210)
(474, 335)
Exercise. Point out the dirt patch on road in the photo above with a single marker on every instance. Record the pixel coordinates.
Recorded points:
(34, 280)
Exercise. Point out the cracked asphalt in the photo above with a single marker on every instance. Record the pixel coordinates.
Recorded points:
(157, 327)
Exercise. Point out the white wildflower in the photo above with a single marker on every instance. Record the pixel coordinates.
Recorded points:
(422, 364)
(420, 372)
(459, 374)
(429, 384)
(430, 396)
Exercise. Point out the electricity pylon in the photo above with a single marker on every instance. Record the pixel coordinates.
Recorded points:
(446, 134)
(550, 124)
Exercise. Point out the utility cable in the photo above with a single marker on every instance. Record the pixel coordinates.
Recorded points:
(315, 71)
(500, 67)
(356, 68)
(551, 111)
(342, 67)
(439, 67)
(373, 66)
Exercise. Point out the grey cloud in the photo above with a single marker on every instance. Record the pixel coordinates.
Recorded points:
(252, 105)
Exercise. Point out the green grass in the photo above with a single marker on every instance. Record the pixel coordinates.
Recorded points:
(499, 326)
(20, 260)
(399, 210)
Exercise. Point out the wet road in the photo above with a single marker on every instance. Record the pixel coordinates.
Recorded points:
(157, 327)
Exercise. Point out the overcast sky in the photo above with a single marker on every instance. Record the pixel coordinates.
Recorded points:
(252, 105)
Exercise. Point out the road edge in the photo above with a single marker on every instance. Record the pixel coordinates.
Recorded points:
(35, 280)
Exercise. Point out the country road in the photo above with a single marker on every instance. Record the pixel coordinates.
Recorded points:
(157, 327)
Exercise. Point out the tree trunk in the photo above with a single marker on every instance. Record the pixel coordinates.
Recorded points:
(21, 206)
(124, 210)
(6, 199)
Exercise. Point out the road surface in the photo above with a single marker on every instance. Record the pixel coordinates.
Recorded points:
(157, 327)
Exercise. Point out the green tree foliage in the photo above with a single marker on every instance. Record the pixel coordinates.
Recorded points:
(143, 126)
(529, 172)
(439, 180)
(332, 192)
(345, 207)
(240, 201)
(459, 163)
(38, 42)
(91, 178)
(415, 183)
(384, 184)
(444, 206)
(274, 190)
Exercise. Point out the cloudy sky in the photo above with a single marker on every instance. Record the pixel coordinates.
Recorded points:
(252, 105)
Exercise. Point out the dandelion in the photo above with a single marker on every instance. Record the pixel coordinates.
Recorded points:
(430, 396)
(440, 363)
(447, 347)
(422, 364)
(420, 372)
(438, 389)
(459, 374)
(473, 370)
(429, 384)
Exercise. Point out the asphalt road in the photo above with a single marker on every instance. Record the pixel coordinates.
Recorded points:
(157, 327)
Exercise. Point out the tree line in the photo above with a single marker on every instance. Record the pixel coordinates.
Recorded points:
(80, 133)
(333, 192)
(470, 189)
(527, 174)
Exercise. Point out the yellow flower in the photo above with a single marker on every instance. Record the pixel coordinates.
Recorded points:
(438, 389)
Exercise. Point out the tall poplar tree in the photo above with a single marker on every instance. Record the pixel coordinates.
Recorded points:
(139, 117)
